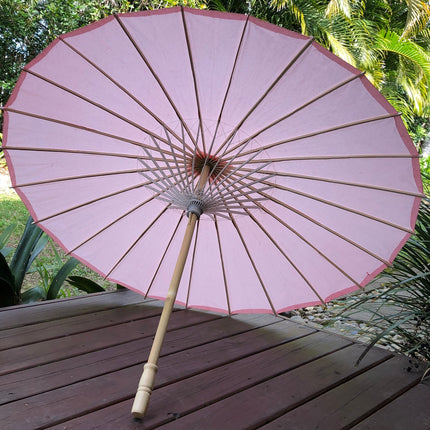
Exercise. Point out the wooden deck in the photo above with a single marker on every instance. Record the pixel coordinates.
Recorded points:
(75, 364)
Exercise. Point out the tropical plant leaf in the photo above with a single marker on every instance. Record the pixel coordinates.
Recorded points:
(418, 17)
(4, 237)
(381, 335)
(25, 252)
(35, 294)
(404, 309)
(60, 277)
(85, 284)
(339, 7)
(8, 296)
(391, 41)
(38, 248)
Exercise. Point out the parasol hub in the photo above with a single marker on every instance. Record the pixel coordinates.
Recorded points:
(195, 207)
(218, 168)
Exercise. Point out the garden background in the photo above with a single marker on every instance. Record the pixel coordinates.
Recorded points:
(387, 39)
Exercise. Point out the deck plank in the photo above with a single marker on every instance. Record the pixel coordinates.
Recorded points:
(18, 316)
(74, 369)
(75, 364)
(40, 410)
(259, 404)
(27, 356)
(26, 335)
(410, 411)
(350, 402)
(183, 397)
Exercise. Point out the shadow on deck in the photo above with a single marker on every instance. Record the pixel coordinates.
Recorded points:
(75, 364)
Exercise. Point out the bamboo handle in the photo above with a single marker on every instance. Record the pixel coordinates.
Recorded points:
(144, 390)
(146, 383)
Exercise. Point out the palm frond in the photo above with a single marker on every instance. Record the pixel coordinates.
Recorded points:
(338, 7)
(340, 49)
(391, 42)
(417, 19)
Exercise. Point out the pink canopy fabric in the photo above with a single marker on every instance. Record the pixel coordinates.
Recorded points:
(314, 183)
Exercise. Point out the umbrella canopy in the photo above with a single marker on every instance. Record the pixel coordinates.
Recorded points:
(314, 182)
(301, 177)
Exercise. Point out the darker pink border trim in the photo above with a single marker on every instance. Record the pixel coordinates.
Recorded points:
(276, 29)
(378, 96)
(15, 92)
(164, 11)
(88, 27)
(216, 14)
(335, 58)
(43, 54)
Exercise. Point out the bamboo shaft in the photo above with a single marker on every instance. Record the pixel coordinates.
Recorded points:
(147, 379)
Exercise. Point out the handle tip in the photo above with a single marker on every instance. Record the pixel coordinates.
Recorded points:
(141, 400)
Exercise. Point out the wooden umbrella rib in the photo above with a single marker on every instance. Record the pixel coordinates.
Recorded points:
(340, 236)
(96, 104)
(222, 266)
(338, 206)
(242, 197)
(187, 178)
(319, 132)
(74, 178)
(165, 193)
(335, 181)
(179, 170)
(301, 237)
(226, 165)
(193, 257)
(190, 56)
(111, 224)
(136, 241)
(298, 109)
(211, 201)
(333, 157)
(253, 265)
(236, 169)
(272, 85)
(240, 180)
(156, 77)
(88, 129)
(308, 283)
(251, 181)
(89, 203)
(164, 255)
(157, 169)
(239, 47)
(155, 186)
(121, 87)
(80, 152)
(325, 228)
(144, 184)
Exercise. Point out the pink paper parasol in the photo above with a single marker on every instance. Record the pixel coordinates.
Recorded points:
(298, 177)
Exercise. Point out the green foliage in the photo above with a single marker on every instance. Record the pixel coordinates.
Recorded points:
(29, 247)
(425, 173)
(12, 211)
(8, 296)
(404, 310)
(12, 275)
(84, 284)
(4, 238)
(388, 40)
(27, 27)
(33, 241)
(51, 285)
(2, 158)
